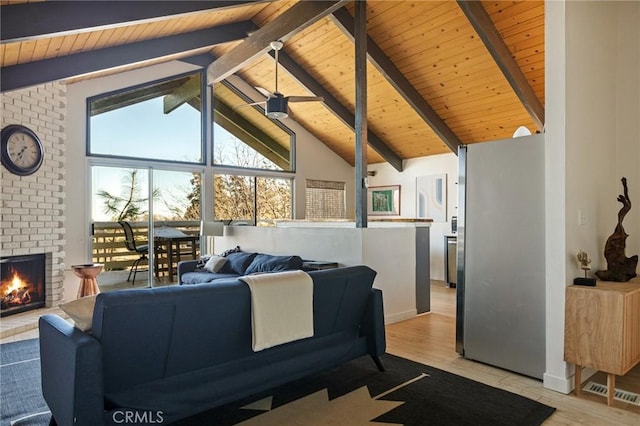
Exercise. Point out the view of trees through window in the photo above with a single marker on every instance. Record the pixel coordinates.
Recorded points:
(177, 195)
(243, 138)
(122, 194)
(259, 200)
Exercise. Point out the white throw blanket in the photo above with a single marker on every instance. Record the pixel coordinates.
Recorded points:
(281, 307)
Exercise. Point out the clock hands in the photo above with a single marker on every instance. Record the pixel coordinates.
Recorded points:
(21, 153)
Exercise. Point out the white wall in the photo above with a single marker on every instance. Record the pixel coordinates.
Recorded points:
(414, 168)
(627, 118)
(593, 105)
(313, 159)
(390, 251)
(555, 376)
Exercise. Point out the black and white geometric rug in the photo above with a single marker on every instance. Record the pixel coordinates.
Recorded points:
(353, 394)
(356, 393)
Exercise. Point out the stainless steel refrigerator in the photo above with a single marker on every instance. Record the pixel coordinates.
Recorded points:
(500, 317)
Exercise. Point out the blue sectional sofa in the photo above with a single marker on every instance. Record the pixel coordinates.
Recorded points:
(177, 351)
(238, 263)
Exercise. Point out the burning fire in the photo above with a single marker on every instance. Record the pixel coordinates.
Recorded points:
(16, 284)
(13, 293)
(22, 283)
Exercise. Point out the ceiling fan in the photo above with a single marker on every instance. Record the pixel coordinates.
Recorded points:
(276, 103)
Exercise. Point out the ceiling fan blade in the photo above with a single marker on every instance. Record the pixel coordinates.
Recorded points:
(251, 104)
(305, 98)
(265, 92)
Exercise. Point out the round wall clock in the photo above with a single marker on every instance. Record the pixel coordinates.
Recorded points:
(22, 151)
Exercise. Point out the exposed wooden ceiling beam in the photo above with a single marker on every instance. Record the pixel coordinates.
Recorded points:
(392, 74)
(202, 60)
(131, 97)
(32, 73)
(32, 21)
(180, 95)
(488, 33)
(334, 105)
(292, 21)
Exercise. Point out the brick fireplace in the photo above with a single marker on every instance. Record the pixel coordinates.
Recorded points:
(32, 208)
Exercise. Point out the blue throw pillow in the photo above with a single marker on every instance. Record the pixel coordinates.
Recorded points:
(270, 263)
(237, 262)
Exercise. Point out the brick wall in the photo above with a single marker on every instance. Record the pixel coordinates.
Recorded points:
(32, 208)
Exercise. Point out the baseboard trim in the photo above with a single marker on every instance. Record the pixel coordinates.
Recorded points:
(400, 316)
(565, 384)
(559, 384)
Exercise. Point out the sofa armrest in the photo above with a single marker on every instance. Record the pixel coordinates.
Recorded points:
(186, 266)
(373, 324)
(71, 368)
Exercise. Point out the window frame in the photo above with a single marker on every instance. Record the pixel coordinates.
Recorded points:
(203, 119)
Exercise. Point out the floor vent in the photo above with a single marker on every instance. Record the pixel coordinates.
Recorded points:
(620, 395)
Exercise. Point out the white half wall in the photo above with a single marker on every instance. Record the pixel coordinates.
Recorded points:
(391, 252)
(414, 168)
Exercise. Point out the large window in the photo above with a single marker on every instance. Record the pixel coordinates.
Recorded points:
(146, 150)
(244, 137)
(160, 121)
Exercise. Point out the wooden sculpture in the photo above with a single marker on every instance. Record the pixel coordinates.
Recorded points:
(619, 267)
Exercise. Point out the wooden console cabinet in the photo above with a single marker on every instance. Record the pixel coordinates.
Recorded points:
(602, 329)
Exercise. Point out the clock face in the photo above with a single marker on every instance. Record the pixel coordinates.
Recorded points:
(21, 150)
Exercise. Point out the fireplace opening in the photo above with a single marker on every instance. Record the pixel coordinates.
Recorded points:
(22, 283)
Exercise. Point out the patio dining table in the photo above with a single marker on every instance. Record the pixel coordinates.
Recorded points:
(172, 238)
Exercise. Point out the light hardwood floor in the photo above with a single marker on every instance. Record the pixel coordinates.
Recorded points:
(430, 339)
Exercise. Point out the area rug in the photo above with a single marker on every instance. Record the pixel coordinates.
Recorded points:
(355, 393)
(21, 401)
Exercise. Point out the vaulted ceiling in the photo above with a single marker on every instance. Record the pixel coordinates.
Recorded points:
(439, 73)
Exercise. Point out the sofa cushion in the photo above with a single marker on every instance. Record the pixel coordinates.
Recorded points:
(269, 263)
(214, 264)
(237, 263)
(204, 277)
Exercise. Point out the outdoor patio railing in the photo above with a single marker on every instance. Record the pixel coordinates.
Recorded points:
(109, 247)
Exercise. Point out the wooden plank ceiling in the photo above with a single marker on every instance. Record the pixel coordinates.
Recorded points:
(431, 43)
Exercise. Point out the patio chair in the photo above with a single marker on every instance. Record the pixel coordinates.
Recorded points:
(131, 245)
